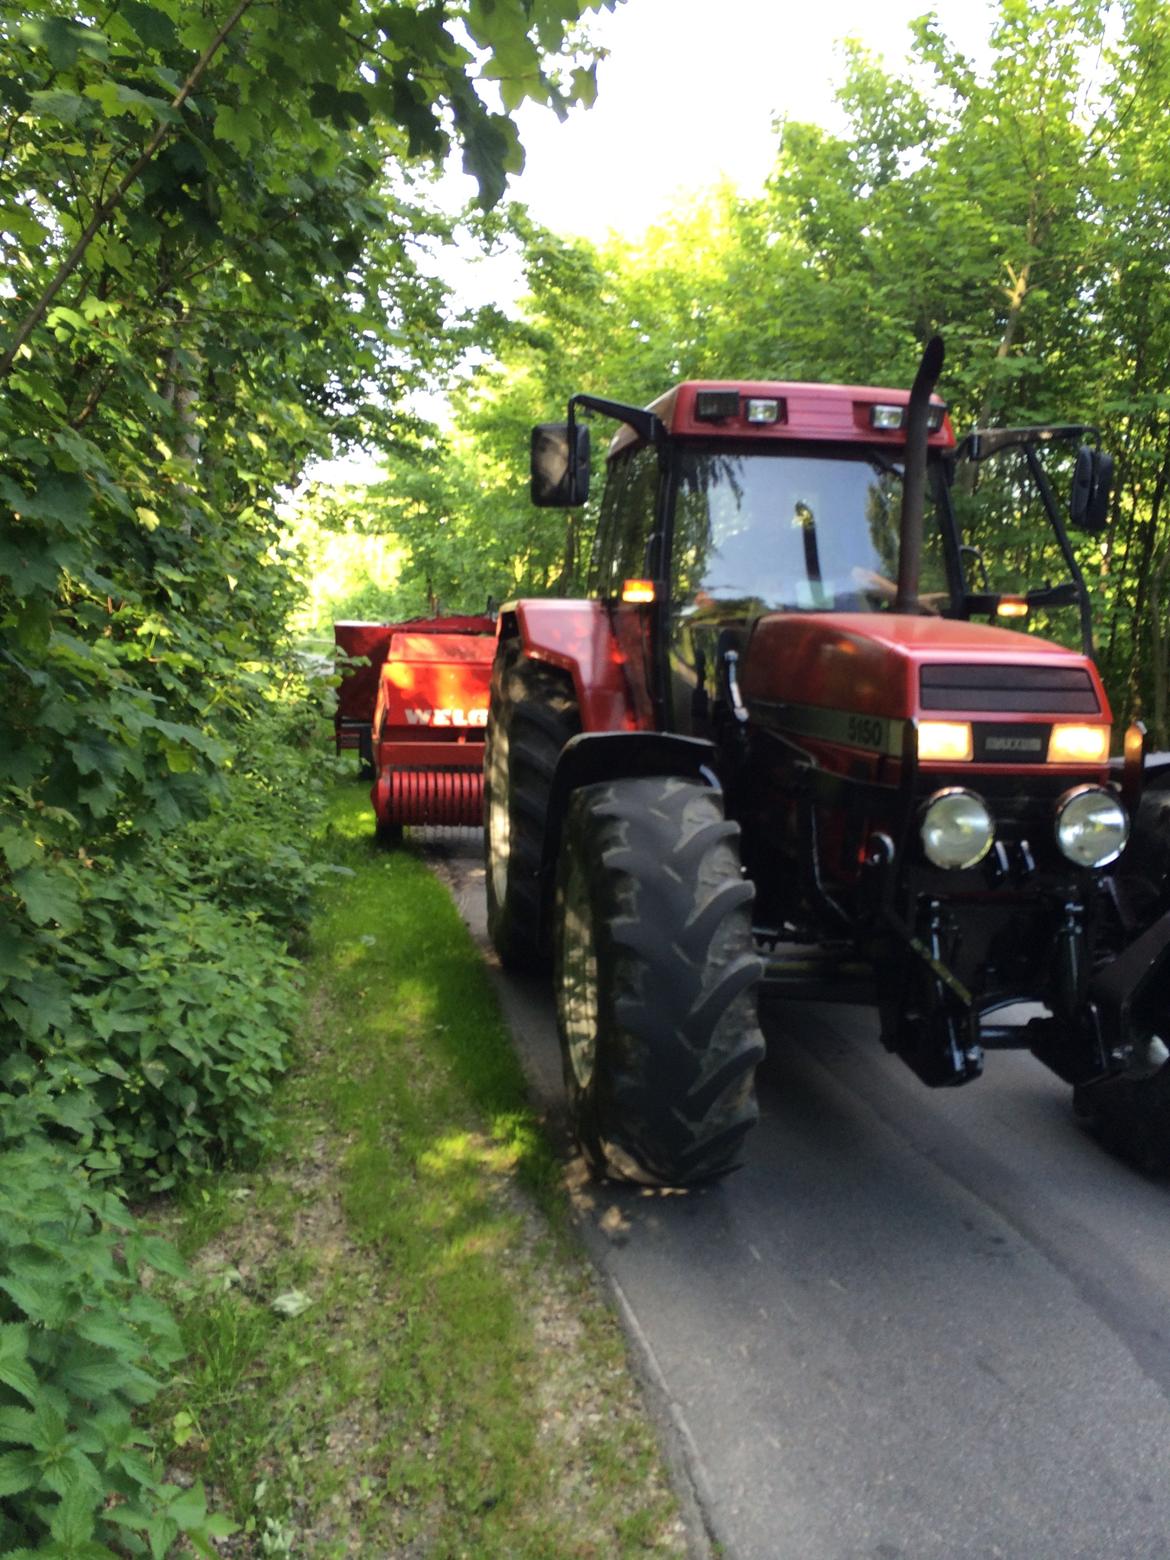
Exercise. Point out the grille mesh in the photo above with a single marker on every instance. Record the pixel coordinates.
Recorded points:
(1025, 690)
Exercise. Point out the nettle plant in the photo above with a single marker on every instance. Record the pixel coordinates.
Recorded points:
(82, 1346)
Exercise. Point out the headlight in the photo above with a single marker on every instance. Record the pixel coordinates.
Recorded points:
(956, 829)
(1091, 826)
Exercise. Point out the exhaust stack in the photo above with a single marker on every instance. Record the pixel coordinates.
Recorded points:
(914, 477)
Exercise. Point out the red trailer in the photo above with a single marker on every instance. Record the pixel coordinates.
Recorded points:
(358, 693)
(428, 729)
(417, 715)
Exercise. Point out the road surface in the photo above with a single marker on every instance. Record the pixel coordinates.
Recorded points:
(917, 1325)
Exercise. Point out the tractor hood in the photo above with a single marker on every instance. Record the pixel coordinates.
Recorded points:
(901, 667)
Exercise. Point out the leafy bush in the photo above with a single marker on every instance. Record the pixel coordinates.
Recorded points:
(170, 1013)
(186, 1021)
(253, 848)
(166, 983)
(80, 1342)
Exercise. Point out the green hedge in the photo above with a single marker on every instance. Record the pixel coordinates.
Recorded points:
(141, 1037)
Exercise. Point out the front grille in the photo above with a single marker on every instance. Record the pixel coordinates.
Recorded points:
(1024, 690)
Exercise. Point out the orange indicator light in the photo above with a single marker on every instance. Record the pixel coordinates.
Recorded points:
(1135, 745)
(1078, 745)
(1011, 606)
(945, 741)
(638, 590)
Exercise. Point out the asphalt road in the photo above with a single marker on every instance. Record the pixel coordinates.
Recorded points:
(917, 1325)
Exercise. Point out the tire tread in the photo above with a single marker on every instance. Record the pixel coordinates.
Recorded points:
(679, 1040)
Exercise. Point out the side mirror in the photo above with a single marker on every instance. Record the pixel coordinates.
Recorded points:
(1088, 505)
(555, 484)
(1097, 516)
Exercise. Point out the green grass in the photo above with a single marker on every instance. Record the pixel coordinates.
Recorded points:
(448, 1382)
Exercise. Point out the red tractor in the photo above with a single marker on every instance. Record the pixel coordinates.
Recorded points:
(788, 739)
(416, 712)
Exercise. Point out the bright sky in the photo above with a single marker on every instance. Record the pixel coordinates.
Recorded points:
(686, 97)
(689, 93)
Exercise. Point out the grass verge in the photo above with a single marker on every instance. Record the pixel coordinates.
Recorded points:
(395, 1346)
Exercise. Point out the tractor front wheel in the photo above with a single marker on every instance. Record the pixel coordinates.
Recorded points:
(654, 971)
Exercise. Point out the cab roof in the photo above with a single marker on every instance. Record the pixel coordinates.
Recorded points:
(841, 413)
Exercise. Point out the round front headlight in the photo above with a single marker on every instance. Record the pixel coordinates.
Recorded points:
(1091, 826)
(957, 829)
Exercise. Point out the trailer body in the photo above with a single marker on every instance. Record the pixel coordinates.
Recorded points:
(415, 711)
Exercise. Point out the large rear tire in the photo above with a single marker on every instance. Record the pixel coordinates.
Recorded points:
(654, 975)
(532, 714)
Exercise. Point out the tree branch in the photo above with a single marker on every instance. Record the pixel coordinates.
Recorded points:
(110, 205)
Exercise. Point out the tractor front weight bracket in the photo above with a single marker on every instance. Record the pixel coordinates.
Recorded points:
(937, 1033)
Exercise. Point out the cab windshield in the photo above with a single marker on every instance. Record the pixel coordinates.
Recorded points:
(787, 532)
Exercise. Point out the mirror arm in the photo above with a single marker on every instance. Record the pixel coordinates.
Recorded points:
(1049, 499)
(644, 423)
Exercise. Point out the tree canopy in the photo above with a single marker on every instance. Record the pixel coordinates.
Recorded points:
(211, 224)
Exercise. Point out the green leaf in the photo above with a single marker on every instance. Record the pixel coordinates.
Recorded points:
(108, 1332)
(60, 496)
(75, 1518)
(54, 103)
(584, 86)
(19, 847)
(17, 1425)
(239, 127)
(15, 1370)
(48, 895)
(22, 224)
(19, 1471)
(102, 1378)
(30, 564)
(40, 1305)
(33, 629)
(158, 108)
(65, 40)
(156, 1253)
(153, 26)
(16, 954)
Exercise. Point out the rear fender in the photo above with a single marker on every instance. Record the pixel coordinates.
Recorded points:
(578, 637)
(593, 757)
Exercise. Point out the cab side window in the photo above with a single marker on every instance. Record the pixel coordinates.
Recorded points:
(627, 526)
(601, 563)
